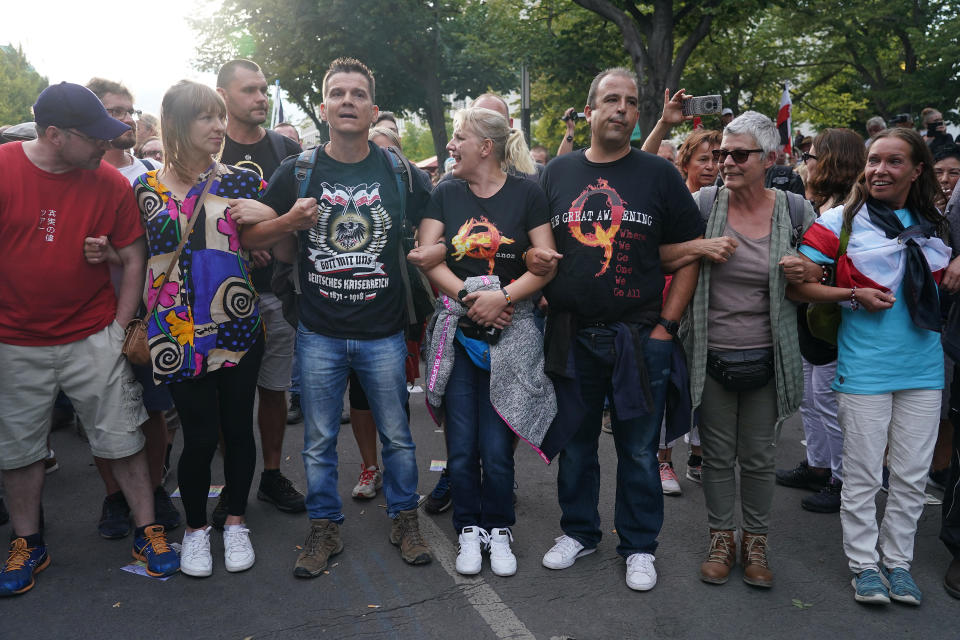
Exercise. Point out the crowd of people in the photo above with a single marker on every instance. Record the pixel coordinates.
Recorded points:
(700, 290)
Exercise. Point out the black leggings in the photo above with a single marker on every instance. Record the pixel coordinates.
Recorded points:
(219, 401)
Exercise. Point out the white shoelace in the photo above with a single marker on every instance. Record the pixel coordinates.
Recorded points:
(644, 560)
(196, 545)
(236, 540)
(567, 546)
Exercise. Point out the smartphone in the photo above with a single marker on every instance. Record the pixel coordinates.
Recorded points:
(702, 105)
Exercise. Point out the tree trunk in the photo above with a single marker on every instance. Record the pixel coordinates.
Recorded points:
(436, 118)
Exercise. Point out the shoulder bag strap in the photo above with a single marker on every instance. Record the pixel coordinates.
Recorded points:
(186, 235)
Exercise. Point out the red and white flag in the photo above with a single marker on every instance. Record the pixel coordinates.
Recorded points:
(784, 120)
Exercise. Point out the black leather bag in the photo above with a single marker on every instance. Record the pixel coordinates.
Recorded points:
(740, 371)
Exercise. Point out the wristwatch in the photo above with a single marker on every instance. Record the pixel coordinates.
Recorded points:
(569, 138)
(671, 326)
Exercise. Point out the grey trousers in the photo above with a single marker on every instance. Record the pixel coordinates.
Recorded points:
(738, 428)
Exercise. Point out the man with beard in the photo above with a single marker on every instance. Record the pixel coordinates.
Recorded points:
(115, 513)
(61, 325)
(243, 88)
(609, 329)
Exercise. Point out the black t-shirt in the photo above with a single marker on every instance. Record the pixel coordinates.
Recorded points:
(488, 236)
(260, 157)
(609, 220)
(350, 261)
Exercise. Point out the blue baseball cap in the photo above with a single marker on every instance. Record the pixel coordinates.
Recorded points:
(72, 106)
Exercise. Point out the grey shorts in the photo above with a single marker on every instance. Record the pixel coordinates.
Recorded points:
(96, 378)
(277, 360)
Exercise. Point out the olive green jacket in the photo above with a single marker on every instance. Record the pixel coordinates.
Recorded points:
(787, 364)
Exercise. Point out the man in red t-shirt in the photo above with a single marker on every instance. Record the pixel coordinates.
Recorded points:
(61, 326)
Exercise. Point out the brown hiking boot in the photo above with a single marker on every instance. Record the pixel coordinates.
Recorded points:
(322, 542)
(753, 554)
(406, 534)
(721, 557)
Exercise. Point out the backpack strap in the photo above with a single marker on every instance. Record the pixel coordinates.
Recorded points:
(404, 177)
(795, 203)
(277, 145)
(303, 169)
(708, 195)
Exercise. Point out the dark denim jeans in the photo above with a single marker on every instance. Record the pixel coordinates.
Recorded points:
(477, 437)
(638, 514)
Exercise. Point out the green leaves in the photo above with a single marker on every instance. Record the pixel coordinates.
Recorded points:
(21, 86)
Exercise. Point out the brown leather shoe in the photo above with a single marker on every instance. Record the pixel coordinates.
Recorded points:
(721, 557)
(753, 554)
(951, 581)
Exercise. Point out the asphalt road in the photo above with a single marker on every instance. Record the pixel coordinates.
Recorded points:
(370, 593)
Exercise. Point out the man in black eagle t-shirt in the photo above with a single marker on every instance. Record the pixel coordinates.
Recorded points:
(346, 239)
(243, 88)
(611, 209)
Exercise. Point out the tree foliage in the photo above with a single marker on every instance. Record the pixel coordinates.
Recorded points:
(422, 52)
(21, 86)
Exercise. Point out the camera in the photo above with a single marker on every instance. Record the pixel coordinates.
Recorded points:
(702, 105)
(573, 117)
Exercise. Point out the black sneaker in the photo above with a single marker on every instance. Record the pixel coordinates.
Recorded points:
(276, 488)
(827, 500)
(803, 477)
(164, 511)
(219, 516)
(114, 517)
(294, 412)
(4, 515)
(440, 499)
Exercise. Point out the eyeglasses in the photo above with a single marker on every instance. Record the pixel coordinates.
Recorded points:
(807, 156)
(118, 113)
(739, 155)
(97, 142)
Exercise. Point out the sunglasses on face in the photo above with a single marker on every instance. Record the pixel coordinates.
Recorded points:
(739, 155)
(807, 156)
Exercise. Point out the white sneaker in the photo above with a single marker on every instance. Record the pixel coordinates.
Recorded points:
(641, 576)
(564, 553)
(195, 558)
(238, 553)
(669, 481)
(502, 560)
(469, 559)
(371, 480)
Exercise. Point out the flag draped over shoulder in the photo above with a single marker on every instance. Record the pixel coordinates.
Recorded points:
(785, 120)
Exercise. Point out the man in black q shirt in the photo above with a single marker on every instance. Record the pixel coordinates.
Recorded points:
(243, 87)
(352, 308)
(611, 208)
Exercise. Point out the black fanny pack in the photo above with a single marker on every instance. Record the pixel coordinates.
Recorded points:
(741, 370)
(490, 335)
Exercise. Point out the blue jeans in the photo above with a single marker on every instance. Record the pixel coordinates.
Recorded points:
(477, 434)
(325, 364)
(638, 515)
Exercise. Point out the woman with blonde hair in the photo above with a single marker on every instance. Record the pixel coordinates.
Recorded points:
(489, 219)
(204, 328)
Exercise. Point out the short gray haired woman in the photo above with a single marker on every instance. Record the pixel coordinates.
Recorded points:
(741, 339)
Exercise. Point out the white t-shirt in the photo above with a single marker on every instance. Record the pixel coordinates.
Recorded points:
(137, 168)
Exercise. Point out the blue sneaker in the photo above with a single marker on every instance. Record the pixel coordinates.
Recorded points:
(902, 587)
(152, 549)
(870, 587)
(22, 564)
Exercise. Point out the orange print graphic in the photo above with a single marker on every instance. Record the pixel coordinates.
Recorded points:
(600, 237)
(479, 239)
